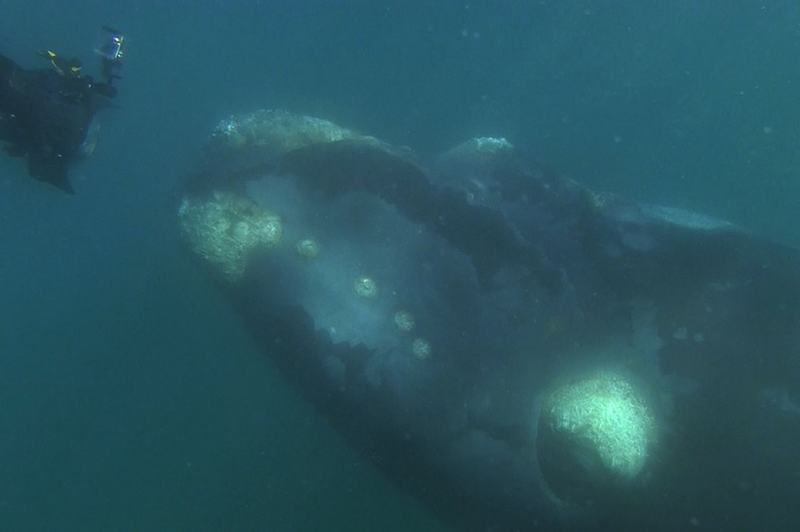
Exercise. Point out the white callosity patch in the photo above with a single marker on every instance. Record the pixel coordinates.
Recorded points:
(476, 153)
(355, 289)
(606, 414)
(225, 228)
(342, 286)
(687, 219)
(276, 130)
(471, 165)
(491, 145)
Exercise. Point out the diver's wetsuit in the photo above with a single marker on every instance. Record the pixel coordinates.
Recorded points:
(45, 116)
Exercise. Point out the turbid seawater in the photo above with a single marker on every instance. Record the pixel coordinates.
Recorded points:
(131, 397)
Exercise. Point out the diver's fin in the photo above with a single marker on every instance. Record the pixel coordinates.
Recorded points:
(53, 172)
(90, 142)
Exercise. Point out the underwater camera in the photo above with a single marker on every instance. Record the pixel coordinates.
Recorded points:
(109, 43)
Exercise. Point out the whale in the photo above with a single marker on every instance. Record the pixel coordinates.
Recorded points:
(515, 349)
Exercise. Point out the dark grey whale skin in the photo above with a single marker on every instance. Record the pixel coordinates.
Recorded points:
(514, 284)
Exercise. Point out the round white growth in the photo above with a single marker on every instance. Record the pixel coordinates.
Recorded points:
(365, 287)
(404, 320)
(307, 248)
(421, 349)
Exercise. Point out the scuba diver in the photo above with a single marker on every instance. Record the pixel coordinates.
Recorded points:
(45, 114)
